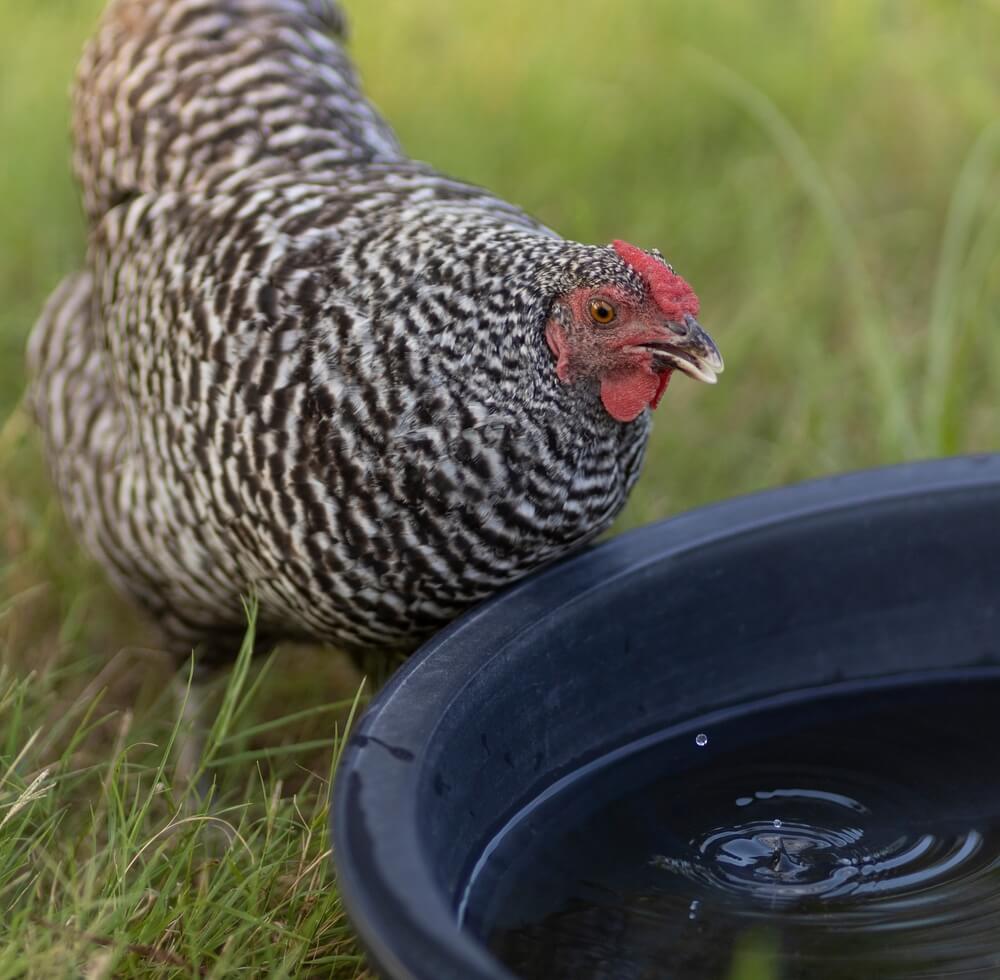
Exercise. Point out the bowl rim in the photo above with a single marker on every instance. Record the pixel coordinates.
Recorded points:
(402, 919)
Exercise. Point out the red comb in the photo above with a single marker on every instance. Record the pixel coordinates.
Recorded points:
(672, 293)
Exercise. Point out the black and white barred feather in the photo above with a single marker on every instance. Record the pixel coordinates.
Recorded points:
(298, 364)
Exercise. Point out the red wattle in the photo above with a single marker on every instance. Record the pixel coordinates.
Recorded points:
(628, 392)
(664, 381)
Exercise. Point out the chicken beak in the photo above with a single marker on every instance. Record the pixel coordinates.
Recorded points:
(688, 348)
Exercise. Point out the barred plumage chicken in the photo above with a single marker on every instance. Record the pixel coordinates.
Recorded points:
(302, 366)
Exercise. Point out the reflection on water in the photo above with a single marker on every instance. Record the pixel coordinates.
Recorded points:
(861, 834)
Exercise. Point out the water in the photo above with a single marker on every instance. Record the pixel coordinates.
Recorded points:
(855, 838)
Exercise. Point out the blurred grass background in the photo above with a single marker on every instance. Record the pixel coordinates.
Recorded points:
(826, 175)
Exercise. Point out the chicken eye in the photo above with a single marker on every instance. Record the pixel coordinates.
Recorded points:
(602, 312)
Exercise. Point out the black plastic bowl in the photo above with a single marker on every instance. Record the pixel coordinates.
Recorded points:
(854, 579)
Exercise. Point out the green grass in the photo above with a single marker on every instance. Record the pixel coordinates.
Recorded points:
(825, 174)
(109, 869)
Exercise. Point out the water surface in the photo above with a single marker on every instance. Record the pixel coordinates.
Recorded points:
(856, 838)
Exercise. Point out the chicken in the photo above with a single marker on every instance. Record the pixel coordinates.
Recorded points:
(300, 366)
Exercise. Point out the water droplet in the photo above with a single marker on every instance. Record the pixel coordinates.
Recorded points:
(701, 740)
(744, 800)
(777, 824)
(693, 908)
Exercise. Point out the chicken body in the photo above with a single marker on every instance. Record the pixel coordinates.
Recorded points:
(299, 365)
